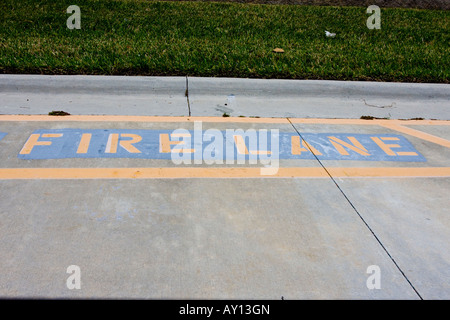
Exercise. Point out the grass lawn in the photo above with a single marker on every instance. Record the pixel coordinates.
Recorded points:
(136, 37)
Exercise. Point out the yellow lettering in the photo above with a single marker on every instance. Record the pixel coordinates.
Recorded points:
(297, 148)
(165, 143)
(128, 144)
(387, 148)
(33, 141)
(242, 148)
(240, 144)
(111, 145)
(113, 142)
(84, 143)
(357, 146)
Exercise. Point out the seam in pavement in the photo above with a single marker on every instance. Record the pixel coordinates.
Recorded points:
(357, 212)
(186, 93)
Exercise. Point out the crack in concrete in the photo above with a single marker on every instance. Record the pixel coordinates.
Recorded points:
(186, 94)
(380, 107)
(356, 210)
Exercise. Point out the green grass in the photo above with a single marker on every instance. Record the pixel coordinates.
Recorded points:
(222, 39)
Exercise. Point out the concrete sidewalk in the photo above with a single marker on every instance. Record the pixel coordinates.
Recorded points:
(166, 96)
(353, 204)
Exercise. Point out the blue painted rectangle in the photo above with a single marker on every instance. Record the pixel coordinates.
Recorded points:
(203, 141)
(2, 135)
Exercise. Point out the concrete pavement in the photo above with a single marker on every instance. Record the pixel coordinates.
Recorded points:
(352, 205)
(166, 96)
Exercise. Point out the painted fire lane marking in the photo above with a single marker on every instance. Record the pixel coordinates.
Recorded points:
(161, 144)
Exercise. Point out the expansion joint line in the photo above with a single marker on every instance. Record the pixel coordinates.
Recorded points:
(186, 93)
(356, 210)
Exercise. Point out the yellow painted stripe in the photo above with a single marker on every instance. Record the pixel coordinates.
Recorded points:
(190, 172)
(419, 134)
(390, 172)
(116, 118)
(370, 122)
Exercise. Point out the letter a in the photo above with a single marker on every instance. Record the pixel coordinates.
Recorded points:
(374, 21)
(74, 21)
(373, 281)
(74, 280)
